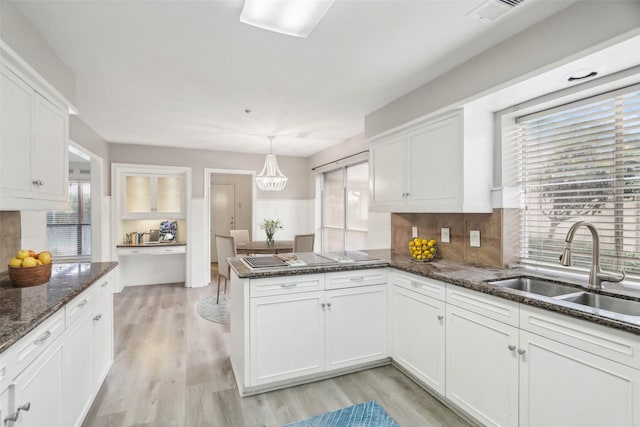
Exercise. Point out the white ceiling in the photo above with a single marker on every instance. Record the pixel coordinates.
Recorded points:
(181, 73)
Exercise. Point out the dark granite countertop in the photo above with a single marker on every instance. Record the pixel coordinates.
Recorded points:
(150, 245)
(22, 309)
(474, 277)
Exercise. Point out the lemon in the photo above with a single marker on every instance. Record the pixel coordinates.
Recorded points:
(29, 262)
(412, 243)
(15, 263)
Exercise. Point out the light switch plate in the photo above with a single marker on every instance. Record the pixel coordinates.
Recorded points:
(444, 235)
(414, 231)
(474, 238)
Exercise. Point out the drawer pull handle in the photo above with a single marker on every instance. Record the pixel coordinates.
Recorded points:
(83, 303)
(288, 285)
(104, 284)
(511, 347)
(14, 417)
(357, 279)
(416, 284)
(97, 318)
(43, 338)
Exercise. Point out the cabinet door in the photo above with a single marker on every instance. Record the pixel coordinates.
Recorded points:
(418, 336)
(356, 325)
(102, 340)
(49, 167)
(137, 194)
(482, 368)
(40, 387)
(564, 386)
(4, 404)
(388, 174)
(15, 136)
(434, 164)
(287, 336)
(78, 384)
(168, 195)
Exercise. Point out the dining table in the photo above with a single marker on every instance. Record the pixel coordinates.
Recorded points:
(261, 247)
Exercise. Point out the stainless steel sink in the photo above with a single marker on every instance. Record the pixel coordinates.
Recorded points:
(535, 286)
(615, 305)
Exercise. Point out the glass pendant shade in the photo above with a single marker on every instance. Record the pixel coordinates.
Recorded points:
(270, 178)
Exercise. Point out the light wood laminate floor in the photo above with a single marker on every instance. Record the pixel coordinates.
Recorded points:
(172, 368)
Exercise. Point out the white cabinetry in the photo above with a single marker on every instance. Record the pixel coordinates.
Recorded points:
(33, 141)
(38, 391)
(418, 328)
(147, 192)
(51, 376)
(422, 168)
(309, 325)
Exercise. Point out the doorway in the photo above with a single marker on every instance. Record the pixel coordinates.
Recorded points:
(230, 201)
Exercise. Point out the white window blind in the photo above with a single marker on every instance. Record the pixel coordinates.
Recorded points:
(69, 232)
(581, 162)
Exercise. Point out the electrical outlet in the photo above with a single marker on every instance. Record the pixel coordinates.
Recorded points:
(474, 238)
(444, 235)
(414, 231)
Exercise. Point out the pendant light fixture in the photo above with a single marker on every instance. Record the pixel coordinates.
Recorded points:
(271, 179)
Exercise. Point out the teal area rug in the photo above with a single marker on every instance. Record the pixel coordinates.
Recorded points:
(367, 414)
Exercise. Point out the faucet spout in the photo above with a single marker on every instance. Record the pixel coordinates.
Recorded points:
(596, 275)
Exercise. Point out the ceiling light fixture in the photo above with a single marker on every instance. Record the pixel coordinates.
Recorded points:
(295, 18)
(271, 179)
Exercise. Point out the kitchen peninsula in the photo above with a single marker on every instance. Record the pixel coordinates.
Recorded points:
(488, 351)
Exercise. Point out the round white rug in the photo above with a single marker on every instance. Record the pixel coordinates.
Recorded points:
(209, 310)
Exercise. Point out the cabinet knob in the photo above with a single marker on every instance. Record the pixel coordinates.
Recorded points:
(37, 182)
(97, 318)
(440, 317)
(511, 347)
(323, 305)
(328, 305)
(521, 351)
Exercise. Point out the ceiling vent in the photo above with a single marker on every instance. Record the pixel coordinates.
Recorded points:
(493, 9)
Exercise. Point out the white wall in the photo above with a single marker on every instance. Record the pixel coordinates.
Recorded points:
(296, 216)
(578, 30)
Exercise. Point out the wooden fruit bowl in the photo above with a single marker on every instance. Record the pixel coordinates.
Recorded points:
(30, 276)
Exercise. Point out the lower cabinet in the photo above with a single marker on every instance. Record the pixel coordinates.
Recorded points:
(418, 336)
(295, 328)
(287, 336)
(564, 386)
(482, 367)
(356, 326)
(102, 339)
(78, 381)
(38, 391)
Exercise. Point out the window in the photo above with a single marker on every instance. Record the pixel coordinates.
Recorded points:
(345, 208)
(69, 232)
(581, 162)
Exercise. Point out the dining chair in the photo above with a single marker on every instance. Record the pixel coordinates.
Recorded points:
(303, 242)
(241, 236)
(226, 248)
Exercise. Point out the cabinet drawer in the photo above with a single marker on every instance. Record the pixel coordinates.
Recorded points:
(286, 285)
(135, 251)
(168, 250)
(351, 279)
(612, 344)
(104, 285)
(36, 341)
(79, 305)
(422, 285)
(496, 308)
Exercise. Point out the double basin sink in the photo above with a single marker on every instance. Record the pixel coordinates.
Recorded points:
(570, 294)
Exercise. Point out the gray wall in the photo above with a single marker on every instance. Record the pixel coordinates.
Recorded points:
(571, 33)
(297, 169)
(22, 37)
(83, 135)
(338, 151)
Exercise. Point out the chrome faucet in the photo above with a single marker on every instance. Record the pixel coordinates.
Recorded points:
(596, 275)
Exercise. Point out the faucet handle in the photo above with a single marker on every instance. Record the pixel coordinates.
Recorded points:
(613, 276)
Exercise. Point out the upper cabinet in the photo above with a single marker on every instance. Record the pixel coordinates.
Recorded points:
(34, 144)
(437, 165)
(150, 192)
